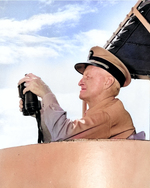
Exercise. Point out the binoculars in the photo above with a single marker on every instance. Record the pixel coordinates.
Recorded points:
(30, 101)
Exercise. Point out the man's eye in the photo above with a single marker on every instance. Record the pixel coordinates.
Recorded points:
(87, 77)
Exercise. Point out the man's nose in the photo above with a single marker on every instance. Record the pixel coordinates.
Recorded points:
(81, 82)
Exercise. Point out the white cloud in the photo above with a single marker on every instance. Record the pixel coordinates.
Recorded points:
(11, 27)
(20, 41)
(28, 48)
(92, 38)
(8, 54)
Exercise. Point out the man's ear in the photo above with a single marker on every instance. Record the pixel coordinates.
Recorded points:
(109, 82)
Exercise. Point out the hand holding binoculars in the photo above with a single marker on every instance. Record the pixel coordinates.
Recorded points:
(30, 101)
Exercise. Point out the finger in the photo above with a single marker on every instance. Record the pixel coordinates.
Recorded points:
(25, 79)
(20, 105)
(20, 102)
(30, 75)
(26, 89)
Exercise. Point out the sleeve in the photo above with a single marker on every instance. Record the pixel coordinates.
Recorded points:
(55, 119)
(62, 128)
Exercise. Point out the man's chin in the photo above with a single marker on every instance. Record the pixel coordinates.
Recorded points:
(82, 97)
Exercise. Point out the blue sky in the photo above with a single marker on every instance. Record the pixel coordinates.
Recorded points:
(47, 37)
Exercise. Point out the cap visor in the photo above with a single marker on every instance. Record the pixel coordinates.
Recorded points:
(80, 67)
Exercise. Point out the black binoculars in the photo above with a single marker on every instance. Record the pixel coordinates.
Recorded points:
(30, 101)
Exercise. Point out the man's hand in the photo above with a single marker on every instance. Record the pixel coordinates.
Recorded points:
(20, 105)
(35, 85)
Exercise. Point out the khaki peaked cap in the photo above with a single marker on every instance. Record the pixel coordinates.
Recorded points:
(102, 58)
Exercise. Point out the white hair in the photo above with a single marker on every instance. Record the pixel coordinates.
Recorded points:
(115, 88)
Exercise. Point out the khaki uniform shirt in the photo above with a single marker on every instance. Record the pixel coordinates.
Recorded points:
(108, 119)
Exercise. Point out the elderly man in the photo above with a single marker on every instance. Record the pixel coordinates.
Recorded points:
(103, 75)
